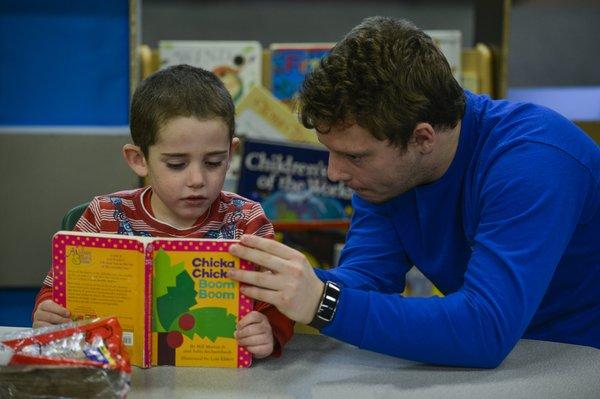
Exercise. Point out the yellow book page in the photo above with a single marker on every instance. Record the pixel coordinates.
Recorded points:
(100, 276)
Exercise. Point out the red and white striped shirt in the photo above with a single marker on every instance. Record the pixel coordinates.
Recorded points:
(229, 217)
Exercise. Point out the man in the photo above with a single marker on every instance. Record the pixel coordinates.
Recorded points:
(497, 203)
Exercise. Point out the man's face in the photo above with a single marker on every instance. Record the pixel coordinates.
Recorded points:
(376, 170)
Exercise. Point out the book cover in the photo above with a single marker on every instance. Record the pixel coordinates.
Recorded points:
(290, 63)
(237, 63)
(171, 295)
(260, 115)
(290, 181)
(195, 306)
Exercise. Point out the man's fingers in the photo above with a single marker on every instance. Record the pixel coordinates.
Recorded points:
(261, 294)
(257, 256)
(260, 279)
(270, 246)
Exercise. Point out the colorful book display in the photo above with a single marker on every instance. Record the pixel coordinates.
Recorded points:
(237, 63)
(172, 296)
(290, 63)
(290, 181)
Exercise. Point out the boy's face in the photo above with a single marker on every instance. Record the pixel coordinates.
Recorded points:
(186, 168)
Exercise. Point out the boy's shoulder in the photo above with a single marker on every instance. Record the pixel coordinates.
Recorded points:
(118, 198)
(229, 198)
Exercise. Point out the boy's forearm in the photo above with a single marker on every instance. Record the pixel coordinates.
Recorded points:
(44, 294)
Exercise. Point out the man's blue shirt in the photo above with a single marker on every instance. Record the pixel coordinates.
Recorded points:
(510, 234)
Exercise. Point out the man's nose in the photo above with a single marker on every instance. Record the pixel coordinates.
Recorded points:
(335, 169)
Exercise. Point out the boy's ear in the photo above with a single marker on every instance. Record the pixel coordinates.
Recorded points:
(135, 159)
(235, 142)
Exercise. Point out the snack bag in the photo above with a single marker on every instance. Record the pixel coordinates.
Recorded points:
(72, 360)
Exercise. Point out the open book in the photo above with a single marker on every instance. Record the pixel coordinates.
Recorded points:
(171, 295)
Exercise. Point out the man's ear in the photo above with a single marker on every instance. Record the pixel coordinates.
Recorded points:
(135, 159)
(424, 137)
(235, 142)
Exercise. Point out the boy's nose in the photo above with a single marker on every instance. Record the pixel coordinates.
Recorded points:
(195, 178)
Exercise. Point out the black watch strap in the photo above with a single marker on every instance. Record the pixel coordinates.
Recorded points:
(327, 306)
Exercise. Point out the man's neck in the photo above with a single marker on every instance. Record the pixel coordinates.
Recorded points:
(448, 145)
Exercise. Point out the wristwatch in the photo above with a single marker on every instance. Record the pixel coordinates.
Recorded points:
(327, 306)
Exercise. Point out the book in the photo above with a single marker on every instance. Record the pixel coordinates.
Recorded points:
(237, 63)
(290, 181)
(290, 63)
(262, 116)
(450, 44)
(171, 295)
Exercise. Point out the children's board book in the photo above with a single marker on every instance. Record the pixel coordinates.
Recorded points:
(237, 63)
(290, 63)
(171, 295)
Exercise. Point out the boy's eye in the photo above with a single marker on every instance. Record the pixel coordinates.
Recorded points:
(214, 164)
(175, 165)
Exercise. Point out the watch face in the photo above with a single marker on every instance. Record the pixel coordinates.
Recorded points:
(327, 306)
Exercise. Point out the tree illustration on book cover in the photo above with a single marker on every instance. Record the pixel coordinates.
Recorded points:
(176, 313)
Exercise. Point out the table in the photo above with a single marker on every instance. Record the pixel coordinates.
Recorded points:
(320, 367)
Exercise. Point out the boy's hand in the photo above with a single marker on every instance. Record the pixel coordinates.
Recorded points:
(254, 332)
(49, 313)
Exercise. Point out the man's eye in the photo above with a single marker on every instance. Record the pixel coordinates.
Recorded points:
(173, 165)
(214, 164)
(352, 157)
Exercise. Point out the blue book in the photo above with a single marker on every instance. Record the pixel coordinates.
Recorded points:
(290, 62)
(290, 181)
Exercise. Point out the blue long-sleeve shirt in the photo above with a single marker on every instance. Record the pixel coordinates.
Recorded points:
(510, 234)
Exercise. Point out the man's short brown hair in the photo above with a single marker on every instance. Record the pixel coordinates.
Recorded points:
(386, 75)
(181, 90)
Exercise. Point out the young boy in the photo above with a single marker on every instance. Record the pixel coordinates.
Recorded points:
(182, 126)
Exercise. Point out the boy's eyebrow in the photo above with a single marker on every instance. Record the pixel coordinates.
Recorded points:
(183, 154)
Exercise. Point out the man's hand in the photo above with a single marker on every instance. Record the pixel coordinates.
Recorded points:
(254, 332)
(49, 313)
(286, 281)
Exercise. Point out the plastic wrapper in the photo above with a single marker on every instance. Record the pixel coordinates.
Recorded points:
(84, 359)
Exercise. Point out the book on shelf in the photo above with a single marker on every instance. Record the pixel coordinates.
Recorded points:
(290, 181)
(290, 63)
(237, 63)
(171, 295)
(262, 116)
(450, 43)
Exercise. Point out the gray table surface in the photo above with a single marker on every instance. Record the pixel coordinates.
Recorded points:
(320, 367)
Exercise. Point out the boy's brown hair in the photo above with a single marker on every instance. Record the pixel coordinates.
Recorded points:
(180, 90)
(386, 75)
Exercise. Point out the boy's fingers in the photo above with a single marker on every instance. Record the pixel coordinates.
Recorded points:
(254, 340)
(53, 307)
(250, 318)
(51, 318)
